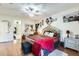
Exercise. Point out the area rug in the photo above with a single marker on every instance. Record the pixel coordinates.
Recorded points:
(58, 53)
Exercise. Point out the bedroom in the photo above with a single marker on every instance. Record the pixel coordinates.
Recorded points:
(39, 29)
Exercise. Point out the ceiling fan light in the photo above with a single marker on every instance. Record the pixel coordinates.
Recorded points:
(30, 14)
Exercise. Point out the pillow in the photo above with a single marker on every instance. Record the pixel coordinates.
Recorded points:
(55, 34)
(51, 34)
(48, 34)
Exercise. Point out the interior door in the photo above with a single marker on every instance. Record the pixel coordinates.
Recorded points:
(4, 31)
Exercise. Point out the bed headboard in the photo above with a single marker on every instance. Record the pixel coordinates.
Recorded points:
(52, 31)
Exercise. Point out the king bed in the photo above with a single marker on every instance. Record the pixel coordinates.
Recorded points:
(40, 42)
(44, 44)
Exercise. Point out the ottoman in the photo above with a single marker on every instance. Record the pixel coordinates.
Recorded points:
(26, 47)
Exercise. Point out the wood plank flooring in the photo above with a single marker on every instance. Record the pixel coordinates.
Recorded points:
(11, 49)
(69, 51)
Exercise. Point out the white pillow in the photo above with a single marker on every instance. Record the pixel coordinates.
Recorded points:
(51, 34)
(48, 34)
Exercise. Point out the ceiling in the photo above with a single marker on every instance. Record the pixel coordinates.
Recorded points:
(45, 9)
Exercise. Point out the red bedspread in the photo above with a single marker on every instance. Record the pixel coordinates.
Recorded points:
(42, 43)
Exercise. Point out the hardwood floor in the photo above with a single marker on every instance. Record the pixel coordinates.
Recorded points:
(6, 48)
(69, 51)
(13, 49)
(9, 49)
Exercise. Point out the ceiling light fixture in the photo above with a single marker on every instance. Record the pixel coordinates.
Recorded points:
(32, 10)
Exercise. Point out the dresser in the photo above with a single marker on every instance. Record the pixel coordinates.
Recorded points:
(71, 43)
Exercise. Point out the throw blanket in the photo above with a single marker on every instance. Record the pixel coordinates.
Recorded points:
(42, 43)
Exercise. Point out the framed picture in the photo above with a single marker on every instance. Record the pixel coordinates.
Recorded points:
(49, 20)
(71, 17)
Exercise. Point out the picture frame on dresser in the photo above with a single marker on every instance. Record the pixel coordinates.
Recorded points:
(76, 36)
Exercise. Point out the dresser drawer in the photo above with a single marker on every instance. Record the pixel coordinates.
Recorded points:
(77, 42)
(77, 47)
(72, 43)
(72, 46)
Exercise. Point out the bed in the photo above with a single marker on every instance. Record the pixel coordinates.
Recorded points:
(44, 43)
(47, 42)
(41, 42)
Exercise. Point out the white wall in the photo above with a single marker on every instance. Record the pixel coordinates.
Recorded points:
(72, 26)
(3, 33)
(4, 36)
